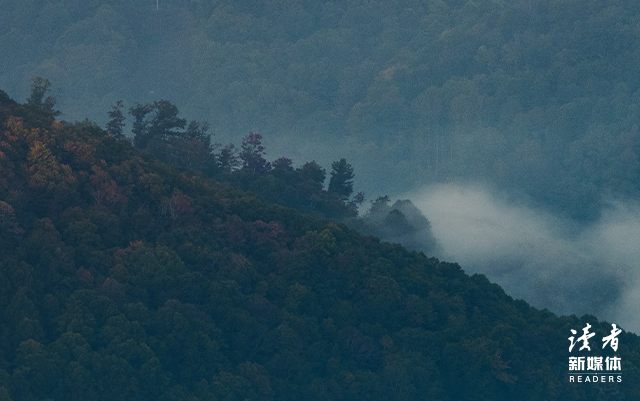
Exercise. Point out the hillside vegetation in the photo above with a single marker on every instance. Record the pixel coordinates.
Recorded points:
(124, 278)
(539, 96)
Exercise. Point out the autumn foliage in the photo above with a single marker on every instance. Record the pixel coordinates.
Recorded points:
(125, 278)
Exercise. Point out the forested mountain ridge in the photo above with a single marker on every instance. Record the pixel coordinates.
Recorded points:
(539, 96)
(123, 278)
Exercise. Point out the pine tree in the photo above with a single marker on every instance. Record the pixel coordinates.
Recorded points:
(151, 133)
(341, 182)
(227, 159)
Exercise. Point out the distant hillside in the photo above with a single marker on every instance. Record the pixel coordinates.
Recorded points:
(537, 96)
(123, 278)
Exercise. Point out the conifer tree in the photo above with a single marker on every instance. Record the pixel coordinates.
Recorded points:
(341, 182)
(153, 132)
(227, 159)
(116, 122)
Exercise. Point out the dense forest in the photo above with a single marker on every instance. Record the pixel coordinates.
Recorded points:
(126, 278)
(159, 130)
(540, 96)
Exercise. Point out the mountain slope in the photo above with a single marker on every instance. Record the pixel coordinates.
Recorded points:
(537, 96)
(123, 278)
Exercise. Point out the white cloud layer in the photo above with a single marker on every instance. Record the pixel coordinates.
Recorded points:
(546, 260)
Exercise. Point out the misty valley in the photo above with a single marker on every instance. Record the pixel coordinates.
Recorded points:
(316, 200)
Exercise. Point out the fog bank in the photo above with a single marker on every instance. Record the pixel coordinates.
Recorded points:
(544, 259)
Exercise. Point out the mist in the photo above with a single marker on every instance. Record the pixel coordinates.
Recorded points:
(547, 260)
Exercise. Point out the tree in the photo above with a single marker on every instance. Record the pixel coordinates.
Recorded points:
(227, 159)
(252, 154)
(39, 88)
(358, 199)
(158, 129)
(193, 149)
(283, 164)
(140, 124)
(43, 169)
(116, 124)
(312, 172)
(166, 120)
(8, 223)
(341, 182)
(379, 208)
(152, 133)
(282, 168)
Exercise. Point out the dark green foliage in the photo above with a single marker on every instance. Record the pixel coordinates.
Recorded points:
(252, 154)
(146, 282)
(538, 96)
(153, 132)
(158, 129)
(39, 107)
(228, 160)
(302, 188)
(116, 120)
(313, 173)
(341, 182)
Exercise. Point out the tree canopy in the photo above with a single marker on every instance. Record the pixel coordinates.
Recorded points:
(537, 96)
(341, 182)
(126, 278)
